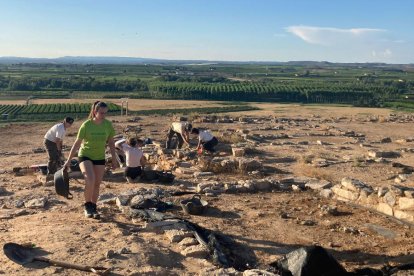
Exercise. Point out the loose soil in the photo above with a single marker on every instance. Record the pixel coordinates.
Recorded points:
(255, 220)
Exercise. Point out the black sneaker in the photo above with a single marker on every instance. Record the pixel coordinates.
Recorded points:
(95, 213)
(88, 209)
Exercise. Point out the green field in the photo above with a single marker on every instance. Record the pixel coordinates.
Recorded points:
(372, 85)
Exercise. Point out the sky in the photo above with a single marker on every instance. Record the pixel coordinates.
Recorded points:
(216, 30)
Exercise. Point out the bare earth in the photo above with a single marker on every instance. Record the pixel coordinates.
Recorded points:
(252, 219)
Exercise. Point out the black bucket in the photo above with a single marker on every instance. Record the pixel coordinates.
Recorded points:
(61, 179)
(166, 177)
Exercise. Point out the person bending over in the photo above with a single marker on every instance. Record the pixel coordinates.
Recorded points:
(182, 131)
(206, 140)
(135, 160)
(53, 143)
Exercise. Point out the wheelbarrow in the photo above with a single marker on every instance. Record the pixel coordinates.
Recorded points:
(24, 255)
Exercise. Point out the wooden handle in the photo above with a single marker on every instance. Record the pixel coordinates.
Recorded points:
(69, 265)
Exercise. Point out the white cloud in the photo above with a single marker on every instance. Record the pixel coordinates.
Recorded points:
(333, 36)
(387, 53)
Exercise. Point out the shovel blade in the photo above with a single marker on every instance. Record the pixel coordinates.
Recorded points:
(17, 253)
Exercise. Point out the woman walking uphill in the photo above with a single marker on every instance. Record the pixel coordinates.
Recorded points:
(93, 136)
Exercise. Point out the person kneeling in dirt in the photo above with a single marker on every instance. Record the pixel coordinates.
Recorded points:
(206, 140)
(134, 156)
(182, 131)
(53, 144)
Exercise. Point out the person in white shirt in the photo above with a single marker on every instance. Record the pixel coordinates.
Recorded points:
(182, 131)
(206, 140)
(134, 156)
(53, 143)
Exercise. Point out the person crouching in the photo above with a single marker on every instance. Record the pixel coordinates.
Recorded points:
(135, 160)
(206, 140)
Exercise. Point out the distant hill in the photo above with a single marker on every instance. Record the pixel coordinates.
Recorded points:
(137, 60)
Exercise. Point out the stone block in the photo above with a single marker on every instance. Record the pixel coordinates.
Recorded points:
(36, 203)
(188, 242)
(186, 171)
(367, 200)
(404, 215)
(203, 174)
(326, 193)
(204, 185)
(248, 165)
(177, 235)
(122, 200)
(258, 272)
(159, 224)
(406, 203)
(346, 194)
(238, 152)
(385, 209)
(315, 184)
(195, 251)
(353, 184)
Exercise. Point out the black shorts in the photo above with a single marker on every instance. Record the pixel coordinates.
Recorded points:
(95, 162)
(133, 172)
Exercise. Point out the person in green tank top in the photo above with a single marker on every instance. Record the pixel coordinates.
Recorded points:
(93, 136)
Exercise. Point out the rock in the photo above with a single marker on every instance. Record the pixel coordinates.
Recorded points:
(389, 198)
(248, 165)
(258, 272)
(382, 191)
(188, 242)
(345, 194)
(203, 174)
(409, 193)
(195, 251)
(386, 140)
(238, 152)
(122, 200)
(385, 209)
(201, 187)
(177, 235)
(137, 201)
(160, 224)
(110, 254)
(36, 203)
(308, 223)
(313, 260)
(354, 184)
(315, 184)
(406, 203)
(383, 154)
(326, 193)
(404, 215)
(329, 210)
(108, 198)
(124, 250)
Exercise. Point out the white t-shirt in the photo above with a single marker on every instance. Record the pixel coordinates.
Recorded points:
(133, 155)
(178, 127)
(205, 136)
(56, 131)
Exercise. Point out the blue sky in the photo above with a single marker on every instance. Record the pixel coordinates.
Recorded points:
(234, 30)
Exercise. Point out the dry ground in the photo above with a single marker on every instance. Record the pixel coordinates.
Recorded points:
(254, 220)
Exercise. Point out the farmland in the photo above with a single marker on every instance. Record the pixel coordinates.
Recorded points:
(372, 85)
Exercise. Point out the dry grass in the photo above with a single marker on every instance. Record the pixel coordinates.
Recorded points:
(313, 172)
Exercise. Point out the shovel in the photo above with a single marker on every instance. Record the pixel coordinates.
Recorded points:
(25, 255)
